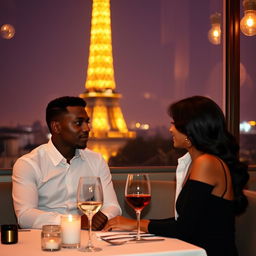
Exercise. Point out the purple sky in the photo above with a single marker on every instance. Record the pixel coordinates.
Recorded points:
(160, 49)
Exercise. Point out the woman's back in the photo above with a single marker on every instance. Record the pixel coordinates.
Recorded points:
(205, 219)
(209, 193)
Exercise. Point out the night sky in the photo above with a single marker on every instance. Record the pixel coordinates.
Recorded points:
(160, 49)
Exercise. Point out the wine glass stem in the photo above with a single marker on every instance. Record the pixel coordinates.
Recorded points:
(90, 245)
(138, 224)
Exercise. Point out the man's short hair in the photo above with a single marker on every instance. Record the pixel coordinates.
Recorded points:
(58, 106)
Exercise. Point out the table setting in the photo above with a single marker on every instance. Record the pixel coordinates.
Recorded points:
(68, 238)
(29, 244)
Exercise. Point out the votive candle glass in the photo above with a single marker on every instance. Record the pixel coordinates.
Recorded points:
(51, 238)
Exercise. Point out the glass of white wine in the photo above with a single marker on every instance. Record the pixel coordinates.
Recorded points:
(138, 194)
(89, 201)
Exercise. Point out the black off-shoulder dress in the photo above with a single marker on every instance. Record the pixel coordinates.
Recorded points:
(204, 220)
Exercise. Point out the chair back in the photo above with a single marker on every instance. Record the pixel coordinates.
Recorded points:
(246, 227)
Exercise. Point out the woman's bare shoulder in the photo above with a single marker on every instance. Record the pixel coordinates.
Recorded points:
(205, 168)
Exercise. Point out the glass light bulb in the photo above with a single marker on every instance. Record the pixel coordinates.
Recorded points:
(214, 34)
(7, 31)
(248, 23)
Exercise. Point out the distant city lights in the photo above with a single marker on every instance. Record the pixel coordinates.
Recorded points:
(142, 126)
(252, 123)
(248, 127)
(147, 95)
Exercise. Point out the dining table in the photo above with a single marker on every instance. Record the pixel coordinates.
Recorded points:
(29, 244)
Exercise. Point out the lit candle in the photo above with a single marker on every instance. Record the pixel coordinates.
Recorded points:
(50, 238)
(51, 244)
(70, 231)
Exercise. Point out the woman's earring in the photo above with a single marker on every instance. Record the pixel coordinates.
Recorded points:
(188, 142)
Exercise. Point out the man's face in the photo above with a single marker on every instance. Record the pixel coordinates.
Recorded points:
(74, 127)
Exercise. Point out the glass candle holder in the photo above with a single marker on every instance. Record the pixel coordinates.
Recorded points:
(70, 231)
(51, 238)
(9, 234)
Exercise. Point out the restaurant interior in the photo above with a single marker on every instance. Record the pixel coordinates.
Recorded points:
(228, 41)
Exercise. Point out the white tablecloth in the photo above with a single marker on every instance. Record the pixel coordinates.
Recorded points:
(30, 245)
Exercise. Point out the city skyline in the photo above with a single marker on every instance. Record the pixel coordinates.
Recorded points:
(48, 57)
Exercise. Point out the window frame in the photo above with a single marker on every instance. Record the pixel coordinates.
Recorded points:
(232, 65)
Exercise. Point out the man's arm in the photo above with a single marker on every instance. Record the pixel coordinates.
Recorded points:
(25, 197)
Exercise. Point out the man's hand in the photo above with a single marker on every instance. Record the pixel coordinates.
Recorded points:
(99, 221)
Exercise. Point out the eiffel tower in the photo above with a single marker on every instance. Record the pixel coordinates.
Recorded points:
(109, 131)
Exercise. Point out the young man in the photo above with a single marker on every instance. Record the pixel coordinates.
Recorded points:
(45, 180)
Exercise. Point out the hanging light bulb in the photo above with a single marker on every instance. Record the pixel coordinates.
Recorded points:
(7, 31)
(248, 22)
(214, 34)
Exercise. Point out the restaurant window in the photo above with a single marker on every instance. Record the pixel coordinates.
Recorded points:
(179, 55)
(247, 95)
(163, 51)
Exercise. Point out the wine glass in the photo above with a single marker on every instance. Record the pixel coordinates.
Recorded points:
(138, 195)
(89, 201)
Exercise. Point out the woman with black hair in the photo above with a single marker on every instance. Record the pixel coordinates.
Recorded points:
(212, 192)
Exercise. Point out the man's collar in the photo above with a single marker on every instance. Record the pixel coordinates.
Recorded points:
(54, 153)
(57, 157)
(78, 154)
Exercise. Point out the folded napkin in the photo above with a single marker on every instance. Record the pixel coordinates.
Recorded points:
(119, 235)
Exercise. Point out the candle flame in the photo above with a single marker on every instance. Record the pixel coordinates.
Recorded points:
(70, 218)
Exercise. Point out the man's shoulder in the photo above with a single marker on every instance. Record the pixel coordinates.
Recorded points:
(35, 153)
(31, 161)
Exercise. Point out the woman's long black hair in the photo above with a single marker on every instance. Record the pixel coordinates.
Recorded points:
(203, 121)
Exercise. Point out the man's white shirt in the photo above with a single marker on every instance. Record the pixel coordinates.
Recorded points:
(45, 185)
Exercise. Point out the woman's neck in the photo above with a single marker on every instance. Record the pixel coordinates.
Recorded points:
(194, 153)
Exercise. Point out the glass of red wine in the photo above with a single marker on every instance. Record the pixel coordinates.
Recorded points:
(138, 195)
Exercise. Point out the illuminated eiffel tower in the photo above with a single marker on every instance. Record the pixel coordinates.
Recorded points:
(109, 131)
